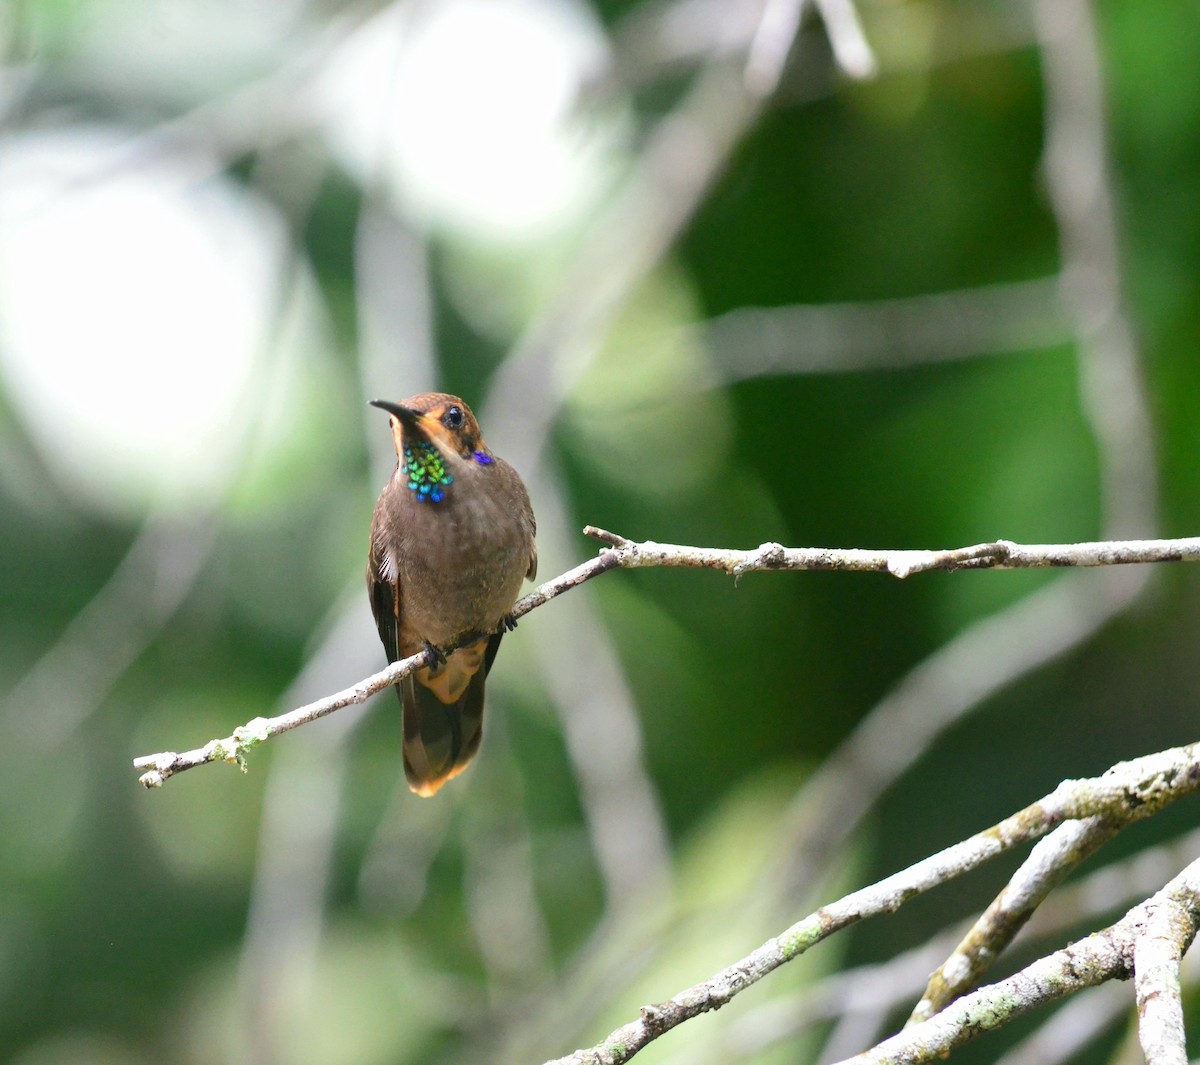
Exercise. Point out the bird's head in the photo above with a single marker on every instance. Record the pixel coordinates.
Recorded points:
(437, 418)
(434, 433)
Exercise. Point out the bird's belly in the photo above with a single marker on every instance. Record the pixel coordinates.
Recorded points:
(465, 579)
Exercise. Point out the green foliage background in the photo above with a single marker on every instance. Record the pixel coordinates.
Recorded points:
(124, 915)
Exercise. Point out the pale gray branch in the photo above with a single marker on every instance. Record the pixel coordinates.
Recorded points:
(1071, 1027)
(1129, 791)
(628, 554)
(1022, 316)
(1169, 929)
(1046, 867)
(776, 33)
(233, 748)
(1103, 956)
(999, 554)
(873, 991)
(847, 39)
(773, 39)
(598, 714)
(1080, 187)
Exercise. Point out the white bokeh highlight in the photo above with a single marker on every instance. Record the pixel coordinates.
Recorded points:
(464, 111)
(138, 294)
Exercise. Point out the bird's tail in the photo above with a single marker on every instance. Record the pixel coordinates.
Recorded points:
(443, 720)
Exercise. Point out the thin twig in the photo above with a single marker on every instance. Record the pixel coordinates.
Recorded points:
(233, 748)
(1129, 791)
(628, 554)
(998, 554)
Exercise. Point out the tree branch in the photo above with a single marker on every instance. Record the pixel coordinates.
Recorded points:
(1128, 792)
(999, 554)
(1168, 930)
(1047, 866)
(863, 997)
(1106, 955)
(233, 748)
(623, 553)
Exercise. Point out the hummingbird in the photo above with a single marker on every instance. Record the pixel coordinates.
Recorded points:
(452, 538)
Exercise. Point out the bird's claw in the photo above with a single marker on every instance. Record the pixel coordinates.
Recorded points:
(508, 623)
(439, 659)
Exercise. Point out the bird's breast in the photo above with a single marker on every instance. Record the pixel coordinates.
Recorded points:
(459, 562)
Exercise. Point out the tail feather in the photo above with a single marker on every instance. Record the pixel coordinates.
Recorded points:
(440, 738)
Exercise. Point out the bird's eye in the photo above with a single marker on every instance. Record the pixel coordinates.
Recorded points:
(453, 418)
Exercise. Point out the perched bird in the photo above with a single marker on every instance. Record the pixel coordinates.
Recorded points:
(452, 538)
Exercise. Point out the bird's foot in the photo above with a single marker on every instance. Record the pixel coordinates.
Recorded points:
(508, 623)
(438, 659)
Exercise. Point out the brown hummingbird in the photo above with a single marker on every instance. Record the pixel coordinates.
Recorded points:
(452, 538)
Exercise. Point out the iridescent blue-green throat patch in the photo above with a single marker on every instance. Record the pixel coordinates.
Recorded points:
(427, 476)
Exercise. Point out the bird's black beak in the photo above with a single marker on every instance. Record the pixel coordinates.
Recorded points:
(406, 416)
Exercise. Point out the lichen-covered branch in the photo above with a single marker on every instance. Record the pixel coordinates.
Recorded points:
(1047, 866)
(1128, 792)
(1170, 926)
(1105, 955)
(623, 553)
(871, 992)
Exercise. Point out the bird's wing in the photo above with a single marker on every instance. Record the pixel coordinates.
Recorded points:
(532, 573)
(384, 586)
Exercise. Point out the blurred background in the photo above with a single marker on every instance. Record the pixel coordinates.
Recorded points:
(894, 274)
